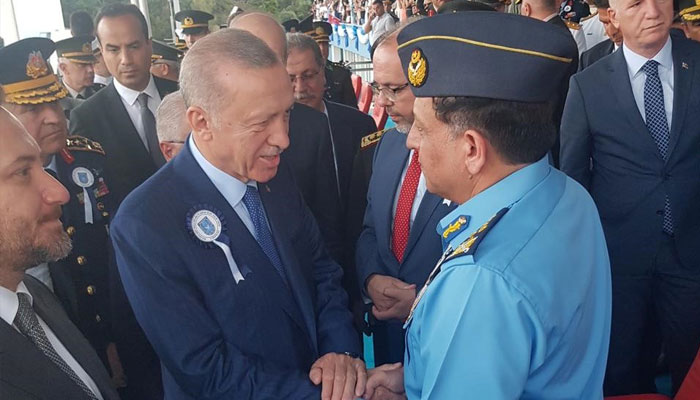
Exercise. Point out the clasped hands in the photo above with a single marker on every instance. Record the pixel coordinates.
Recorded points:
(345, 378)
(392, 297)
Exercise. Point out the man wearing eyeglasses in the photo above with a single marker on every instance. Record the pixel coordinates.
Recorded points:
(172, 126)
(398, 246)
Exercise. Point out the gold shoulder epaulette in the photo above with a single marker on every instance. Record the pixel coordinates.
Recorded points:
(572, 25)
(372, 138)
(80, 143)
(589, 17)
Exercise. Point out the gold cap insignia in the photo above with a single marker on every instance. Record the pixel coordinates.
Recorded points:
(187, 22)
(87, 48)
(417, 69)
(36, 65)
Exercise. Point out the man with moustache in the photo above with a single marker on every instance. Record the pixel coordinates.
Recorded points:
(631, 136)
(80, 281)
(44, 356)
(397, 247)
(219, 246)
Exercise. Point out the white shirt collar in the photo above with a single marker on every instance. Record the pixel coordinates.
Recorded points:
(547, 19)
(130, 95)
(73, 93)
(231, 188)
(9, 303)
(635, 62)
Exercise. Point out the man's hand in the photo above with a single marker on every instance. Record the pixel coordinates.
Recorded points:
(385, 382)
(392, 297)
(341, 376)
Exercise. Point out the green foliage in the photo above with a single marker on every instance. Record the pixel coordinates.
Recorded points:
(160, 10)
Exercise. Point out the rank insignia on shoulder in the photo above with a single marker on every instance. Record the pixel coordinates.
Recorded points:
(468, 247)
(455, 226)
(572, 25)
(80, 143)
(371, 139)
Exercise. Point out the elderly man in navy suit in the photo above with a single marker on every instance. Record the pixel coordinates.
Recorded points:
(398, 246)
(220, 258)
(631, 136)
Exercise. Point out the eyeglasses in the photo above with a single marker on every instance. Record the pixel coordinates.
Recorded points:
(305, 77)
(389, 93)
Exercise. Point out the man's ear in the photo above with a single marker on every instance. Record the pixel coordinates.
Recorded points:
(475, 150)
(200, 122)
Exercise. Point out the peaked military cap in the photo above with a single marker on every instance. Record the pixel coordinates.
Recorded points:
(77, 49)
(306, 25)
(193, 20)
(321, 31)
(485, 54)
(291, 25)
(455, 6)
(689, 10)
(25, 76)
(162, 51)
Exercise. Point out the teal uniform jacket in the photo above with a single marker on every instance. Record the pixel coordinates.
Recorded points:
(522, 311)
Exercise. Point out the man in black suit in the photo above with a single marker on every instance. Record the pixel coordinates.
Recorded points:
(605, 47)
(44, 356)
(121, 118)
(548, 11)
(631, 136)
(309, 154)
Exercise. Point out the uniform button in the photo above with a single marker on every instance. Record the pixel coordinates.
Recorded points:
(98, 318)
(70, 231)
(91, 290)
(81, 260)
(100, 206)
(105, 214)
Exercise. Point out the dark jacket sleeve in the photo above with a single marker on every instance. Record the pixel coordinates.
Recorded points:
(576, 140)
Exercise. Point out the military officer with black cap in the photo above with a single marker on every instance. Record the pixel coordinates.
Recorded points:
(291, 25)
(519, 303)
(165, 60)
(76, 62)
(32, 92)
(194, 24)
(338, 83)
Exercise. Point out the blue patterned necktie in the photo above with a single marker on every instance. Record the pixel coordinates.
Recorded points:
(657, 124)
(252, 202)
(28, 323)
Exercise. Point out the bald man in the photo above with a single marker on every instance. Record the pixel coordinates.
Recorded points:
(310, 154)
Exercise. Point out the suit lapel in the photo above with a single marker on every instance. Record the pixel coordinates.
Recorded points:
(427, 207)
(245, 249)
(621, 86)
(295, 275)
(393, 164)
(683, 73)
(129, 136)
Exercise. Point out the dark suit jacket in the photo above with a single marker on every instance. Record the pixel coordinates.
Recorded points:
(607, 147)
(374, 255)
(217, 338)
(104, 119)
(27, 374)
(595, 53)
(310, 158)
(560, 98)
(339, 85)
(348, 126)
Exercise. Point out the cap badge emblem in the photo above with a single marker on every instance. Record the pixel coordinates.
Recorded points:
(417, 68)
(36, 65)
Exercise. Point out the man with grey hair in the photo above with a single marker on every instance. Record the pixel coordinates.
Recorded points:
(219, 246)
(310, 154)
(172, 125)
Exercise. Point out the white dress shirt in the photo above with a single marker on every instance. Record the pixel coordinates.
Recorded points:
(420, 193)
(104, 80)
(9, 304)
(130, 100)
(593, 30)
(380, 25)
(638, 78)
(73, 93)
(231, 188)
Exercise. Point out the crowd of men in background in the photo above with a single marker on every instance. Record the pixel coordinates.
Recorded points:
(237, 223)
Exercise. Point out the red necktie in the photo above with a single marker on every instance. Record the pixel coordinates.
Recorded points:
(402, 218)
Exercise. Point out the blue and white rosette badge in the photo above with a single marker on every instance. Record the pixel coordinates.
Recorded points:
(84, 178)
(208, 226)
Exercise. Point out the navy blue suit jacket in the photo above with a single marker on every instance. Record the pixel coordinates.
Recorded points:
(218, 339)
(608, 149)
(374, 255)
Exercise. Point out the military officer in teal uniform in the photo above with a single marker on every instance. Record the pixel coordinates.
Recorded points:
(519, 304)
(80, 281)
